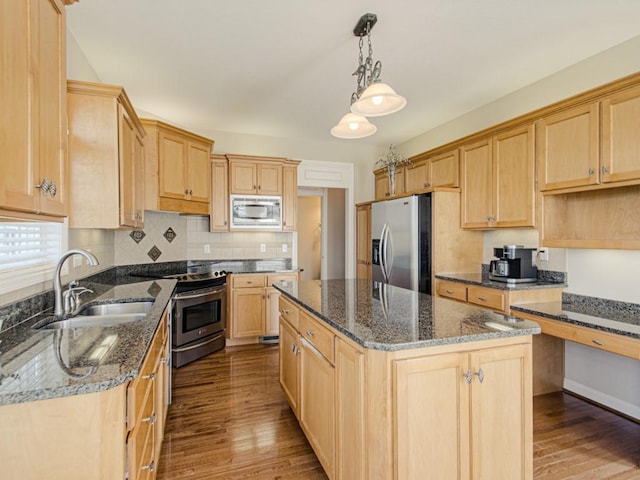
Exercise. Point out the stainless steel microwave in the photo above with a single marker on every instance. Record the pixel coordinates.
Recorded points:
(256, 211)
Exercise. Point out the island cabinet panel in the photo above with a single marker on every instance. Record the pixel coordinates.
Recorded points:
(317, 404)
(472, 405)
(431, 395)
(350, 411)
(290, 364)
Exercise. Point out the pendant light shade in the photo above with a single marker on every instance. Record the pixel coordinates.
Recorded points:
(378, 99)
(353, 126)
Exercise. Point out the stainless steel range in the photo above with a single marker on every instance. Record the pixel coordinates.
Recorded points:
(199, 315)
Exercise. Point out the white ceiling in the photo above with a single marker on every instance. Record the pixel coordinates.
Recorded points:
(283, 68)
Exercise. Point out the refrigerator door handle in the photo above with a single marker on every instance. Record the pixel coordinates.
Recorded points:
(383, 253)
(388, 254)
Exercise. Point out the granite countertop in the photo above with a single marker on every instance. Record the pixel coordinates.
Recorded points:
(41, 364)
(600, 314)
(483, 280)
(393, 318)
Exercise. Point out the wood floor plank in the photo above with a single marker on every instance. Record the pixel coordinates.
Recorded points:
(230, 420)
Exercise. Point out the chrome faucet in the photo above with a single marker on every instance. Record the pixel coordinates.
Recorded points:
(60, 309)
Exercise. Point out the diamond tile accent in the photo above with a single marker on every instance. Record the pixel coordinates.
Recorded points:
(137, 235)
(154, 253)
(154, 289)
(169, 234)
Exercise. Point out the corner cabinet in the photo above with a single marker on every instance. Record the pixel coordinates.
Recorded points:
(106, 158)
(178, 169)
(33, 166)
(498, 180)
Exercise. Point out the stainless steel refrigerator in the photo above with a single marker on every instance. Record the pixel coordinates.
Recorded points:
(401, 242)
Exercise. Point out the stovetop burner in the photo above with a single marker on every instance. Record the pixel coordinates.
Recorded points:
(198, 277)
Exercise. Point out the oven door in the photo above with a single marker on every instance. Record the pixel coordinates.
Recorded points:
(199, 314)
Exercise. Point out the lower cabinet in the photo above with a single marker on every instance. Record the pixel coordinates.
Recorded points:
(254, 304)
(459, 411)
(470, 412)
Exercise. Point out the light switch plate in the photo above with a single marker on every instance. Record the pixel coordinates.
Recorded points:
(263, 247)
(284, 248)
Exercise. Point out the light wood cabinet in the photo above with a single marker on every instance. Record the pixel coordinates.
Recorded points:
(106, 158)
(498, 180)
(249, 175)
(219, 217)
(383, 185)
(418, 175)
(568, 147)
(178, 169)
(317, 396)
(254, 304)
(472, 404)
(363, 241)
(495, 298)
(290, 364)
(33, 166)
(289, 196)
(440, 170)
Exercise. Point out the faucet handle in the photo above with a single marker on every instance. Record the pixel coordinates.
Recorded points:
(71, 297)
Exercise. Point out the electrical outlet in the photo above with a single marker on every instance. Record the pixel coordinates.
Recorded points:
(77, 261)
(263, 247)
(543, 254)
(207, 248)
(284, 248)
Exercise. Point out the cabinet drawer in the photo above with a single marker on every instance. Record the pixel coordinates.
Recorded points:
(487, 297)
(246, 281)
(316, 334)
(289, 312)
(140, 443)
(455, 290)
(140, 388)
(610, 342)
(282, 277)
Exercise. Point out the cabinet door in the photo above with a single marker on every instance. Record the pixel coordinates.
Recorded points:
(289, 198)
(139, 173)
(219, 219)
(363, 241)
(476, 163)
(127, 171)
(269, 179)
(381, 185)
(620, 140)
(350, 412)
(567, 148)
(445, 169)
(317, 404)
(172, 158)
(514, 178)
(243, 178)
(198, 172)
(272, 312)
(417, 176)
(431, 395)
(289, 364)
(248, 312)
(501, 413)
(49, 99)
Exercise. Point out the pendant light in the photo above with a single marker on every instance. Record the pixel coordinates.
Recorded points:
(353, 126)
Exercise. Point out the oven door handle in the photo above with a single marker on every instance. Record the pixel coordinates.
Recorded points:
(198, 295)
(191, 347)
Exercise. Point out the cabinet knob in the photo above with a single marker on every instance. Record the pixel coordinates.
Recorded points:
(482, 299)
(186, 192)
(427, 184)
(468, 376)
(151, 419)
(151, 467)
(591, 172)
(605, 170)
(480, 375)
(149, 377)
(310, 333)
(449, 291)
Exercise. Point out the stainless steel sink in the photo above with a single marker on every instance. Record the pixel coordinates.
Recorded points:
(104, 315)
(116, 309)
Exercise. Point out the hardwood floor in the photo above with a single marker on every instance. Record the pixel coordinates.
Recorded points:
(230, 420)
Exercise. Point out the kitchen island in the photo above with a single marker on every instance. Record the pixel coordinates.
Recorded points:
(391, 383)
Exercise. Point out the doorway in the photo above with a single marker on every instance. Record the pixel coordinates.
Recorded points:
(309, 237)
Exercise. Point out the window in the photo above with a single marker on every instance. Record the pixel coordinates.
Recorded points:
(28, 253)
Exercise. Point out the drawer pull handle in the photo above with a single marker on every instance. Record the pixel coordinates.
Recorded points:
(284, 311)
(482, 299)
(449, 291)
(151, 376)
(310, 333)
(151, 419)
(151, 467)
(600, 343)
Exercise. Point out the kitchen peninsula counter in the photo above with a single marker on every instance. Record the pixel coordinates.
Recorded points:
(391, 383)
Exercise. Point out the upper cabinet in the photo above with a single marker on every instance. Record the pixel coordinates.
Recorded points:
(591, 145)
(498, 180)
(33, 169)
(289, 195)
(178, 169)
(250, 175)
(363, 241)
(383, 183)
(219, 217)
(106, 158)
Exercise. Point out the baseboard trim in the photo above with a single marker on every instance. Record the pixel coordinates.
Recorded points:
(625, 408)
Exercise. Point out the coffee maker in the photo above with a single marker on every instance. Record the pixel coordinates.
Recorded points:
(514, 265)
